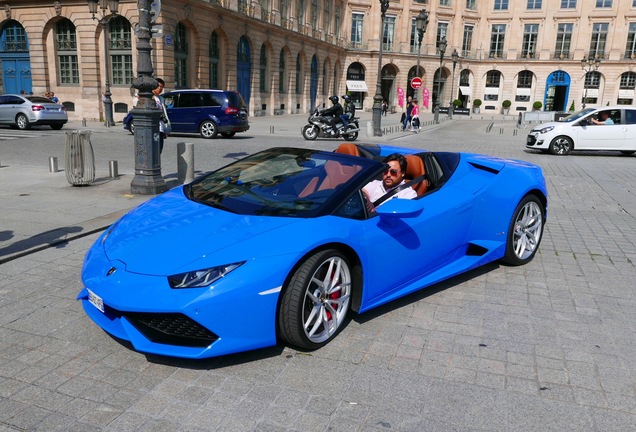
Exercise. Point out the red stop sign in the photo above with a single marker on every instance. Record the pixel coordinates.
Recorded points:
(416, 83)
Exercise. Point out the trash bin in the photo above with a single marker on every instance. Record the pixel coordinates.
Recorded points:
(80, 160)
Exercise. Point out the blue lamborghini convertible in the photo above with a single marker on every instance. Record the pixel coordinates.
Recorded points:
(281, 246)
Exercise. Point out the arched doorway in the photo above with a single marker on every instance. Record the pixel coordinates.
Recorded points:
(356, 84)
(313, 84)
(439, 86)
(389, 72)
(244, 69)
(557, 89)
(14, 57)
(412, 74)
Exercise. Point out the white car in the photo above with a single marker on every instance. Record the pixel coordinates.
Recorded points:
(580, 132)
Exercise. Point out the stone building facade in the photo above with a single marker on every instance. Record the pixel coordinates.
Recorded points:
(288, 56)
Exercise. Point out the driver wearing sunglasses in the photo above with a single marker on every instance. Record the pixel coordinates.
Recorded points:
(392, 177)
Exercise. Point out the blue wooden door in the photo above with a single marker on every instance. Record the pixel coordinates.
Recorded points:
(14, 55)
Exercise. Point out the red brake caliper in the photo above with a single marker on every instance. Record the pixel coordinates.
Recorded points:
(333, 296)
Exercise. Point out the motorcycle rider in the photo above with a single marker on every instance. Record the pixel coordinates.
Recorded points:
(349, 112)
(335, 111)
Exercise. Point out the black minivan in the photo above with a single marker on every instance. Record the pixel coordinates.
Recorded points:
(207, 112)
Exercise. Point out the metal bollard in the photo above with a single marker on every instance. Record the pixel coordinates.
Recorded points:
(113, 171)
(84, 122)
(53, 164)
(271, 130)
(185, 162)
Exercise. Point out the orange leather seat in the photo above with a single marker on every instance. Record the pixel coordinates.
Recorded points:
(349, 149)
(415, 168)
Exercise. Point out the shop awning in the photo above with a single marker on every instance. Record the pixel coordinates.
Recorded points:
(465, 90)
(523, 91)
(357, 86)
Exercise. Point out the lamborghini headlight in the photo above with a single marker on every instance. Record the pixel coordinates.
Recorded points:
(202, 278)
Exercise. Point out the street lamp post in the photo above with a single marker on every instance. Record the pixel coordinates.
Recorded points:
(441, 46)
(451, 107)
(377, 99)
(113, 5)
(421, 22)
(146, 114)
(588, 64)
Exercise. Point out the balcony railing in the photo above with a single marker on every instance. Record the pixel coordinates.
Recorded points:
(530, 55)
(13, 46)
(630, 55)
(562, 55)
(357, 45)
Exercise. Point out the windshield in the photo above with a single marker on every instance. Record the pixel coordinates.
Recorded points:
(577, 115)
(282, 182)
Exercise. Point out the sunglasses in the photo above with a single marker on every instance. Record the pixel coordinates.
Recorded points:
(391, 171)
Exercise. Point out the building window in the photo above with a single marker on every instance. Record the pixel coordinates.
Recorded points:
(599, 39)
(326, 17)
(388, 33)
(442, 31)
(413, 41)
(120, 51)
(299, 75)
(180, 56)
(493, 79)
(337, 18)
(471, 4)
(501, 4)
(534, 4)
(530, 35)
(568, 4)
(592, 81)
(281, 73)
(263, 69)
(66, 47)
(524, 80)
(284, 9)
(564, 39)
(603, 3)
(301, 12)
(15, 38)
(357, 21)
(464, 78)
(444, 2)
(628, 82)
(314, 14)
(497, 37)
(215, 55)
(630, 49)
(467, 40)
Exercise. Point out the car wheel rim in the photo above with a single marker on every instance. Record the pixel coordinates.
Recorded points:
(207, 129)
(326, 299)
(21, 122)
(527, 230)
(562, 146)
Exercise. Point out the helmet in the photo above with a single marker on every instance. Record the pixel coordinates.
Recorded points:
(346, 98)
(333, 99)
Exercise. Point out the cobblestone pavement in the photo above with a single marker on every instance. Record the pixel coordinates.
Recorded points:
(549, 346)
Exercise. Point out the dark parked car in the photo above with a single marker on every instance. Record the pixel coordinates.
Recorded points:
(24, 111)
(206, 112)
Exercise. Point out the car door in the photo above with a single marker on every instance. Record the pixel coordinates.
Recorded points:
(185, 112)
(600, 137)
(4, 108)
(629, 116)
(402, 250)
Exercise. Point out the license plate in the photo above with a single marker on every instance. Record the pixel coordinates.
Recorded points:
(96, 300)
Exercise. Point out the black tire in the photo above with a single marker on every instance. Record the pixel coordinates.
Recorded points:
(352, 136)
(208, 129)
(22, 122)
(310, 132)
(228, 134)
(304, 299)
(57, 126)
(561, 145)
(131, 128)
(525, 231)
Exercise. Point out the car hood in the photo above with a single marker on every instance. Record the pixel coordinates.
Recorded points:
(165, 234)
(544, 125)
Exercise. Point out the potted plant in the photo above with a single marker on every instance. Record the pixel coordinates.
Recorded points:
(506, 106)
(476, 105)
(457, 103)
(536, 106)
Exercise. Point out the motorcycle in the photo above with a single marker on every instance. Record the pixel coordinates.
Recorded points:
(320, 126)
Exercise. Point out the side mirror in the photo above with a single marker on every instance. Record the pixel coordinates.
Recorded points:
(400, 208)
